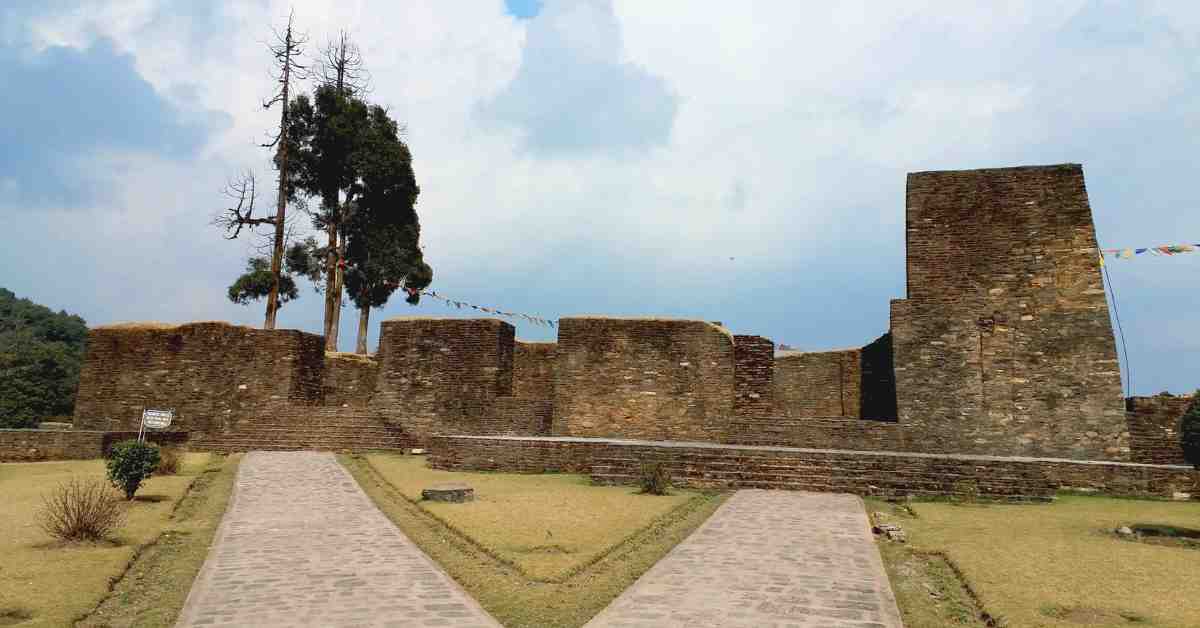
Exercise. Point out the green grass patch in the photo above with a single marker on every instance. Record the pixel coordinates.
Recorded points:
(1059, 565)
(497, 547)
(44, 582)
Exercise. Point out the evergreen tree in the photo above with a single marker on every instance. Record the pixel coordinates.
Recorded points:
(40, 355)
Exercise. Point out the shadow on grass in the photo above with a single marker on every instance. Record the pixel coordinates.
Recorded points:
(14, 616)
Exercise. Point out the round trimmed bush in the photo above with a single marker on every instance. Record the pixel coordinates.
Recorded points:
(1189, 432)
(129, 463)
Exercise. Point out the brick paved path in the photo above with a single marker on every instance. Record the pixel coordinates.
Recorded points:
(767, 558)
(301, 544)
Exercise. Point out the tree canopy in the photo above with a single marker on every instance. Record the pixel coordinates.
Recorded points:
(40, 355)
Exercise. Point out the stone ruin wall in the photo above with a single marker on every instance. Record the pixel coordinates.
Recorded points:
(210, 373)
(818, 384)
(1155, 424)
(1003, 345)
(643, 379)
(349, 379)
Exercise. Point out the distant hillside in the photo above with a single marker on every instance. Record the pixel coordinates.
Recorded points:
(40, 354)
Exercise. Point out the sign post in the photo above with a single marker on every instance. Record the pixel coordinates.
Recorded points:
(155, 419)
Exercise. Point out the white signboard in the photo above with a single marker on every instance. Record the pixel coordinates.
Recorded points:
(157, 419)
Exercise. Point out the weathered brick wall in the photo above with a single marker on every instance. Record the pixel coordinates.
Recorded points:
(38, 445)
(530, 408)
(753, 376)
(822, 433)
(349, 379)
(210, 373)
(818, 384)
(1154, 428)
(880, 474)
(1003, 345)
(35, 445)
(442, 376)
(643, 378)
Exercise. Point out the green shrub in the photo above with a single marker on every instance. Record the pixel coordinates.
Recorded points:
(129, 463)
(655, 479)
(1189, 432)
(81, 510)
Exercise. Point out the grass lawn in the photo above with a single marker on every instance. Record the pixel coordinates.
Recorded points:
(1054, 565)
(534, 550)
(56, 584)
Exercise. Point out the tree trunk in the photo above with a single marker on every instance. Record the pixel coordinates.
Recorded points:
(364, 316)
(281, 198)
(331, 296)
(338, 288)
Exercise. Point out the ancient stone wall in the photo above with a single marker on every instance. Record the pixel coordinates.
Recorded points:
(1003, 345)
(643, 378)
(886, 474)
(39, 445)
(753, 376)
(349, 379)
(442, 376)
(210, 373)
(1154, 428)
(818, 384)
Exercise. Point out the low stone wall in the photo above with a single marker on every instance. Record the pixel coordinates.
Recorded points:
(890, 474)
(1154, 428)
(39, 445)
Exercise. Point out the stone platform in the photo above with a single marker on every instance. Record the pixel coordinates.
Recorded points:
(888, 474)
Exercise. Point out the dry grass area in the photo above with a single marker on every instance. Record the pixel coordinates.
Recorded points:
(52, 583)
(534, 550)
(1055, 565)
(548, 526)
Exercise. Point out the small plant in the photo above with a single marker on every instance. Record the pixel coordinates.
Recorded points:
(655, 479)
(1189, 432)
(168, 461)
(130, 462)
(81, 510)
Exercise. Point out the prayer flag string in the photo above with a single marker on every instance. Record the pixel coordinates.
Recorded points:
(1129, 253)
(454, 303)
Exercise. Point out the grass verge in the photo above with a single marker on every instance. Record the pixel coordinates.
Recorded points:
(156, 582)
(1055, 565)
(48, 583)
(477, 549)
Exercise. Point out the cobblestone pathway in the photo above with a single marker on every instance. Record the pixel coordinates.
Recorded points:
(766, 559)
(302, 545)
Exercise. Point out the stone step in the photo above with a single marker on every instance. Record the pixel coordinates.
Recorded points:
(830, 484)
(820, 475)
(333, 430)
(841, 465)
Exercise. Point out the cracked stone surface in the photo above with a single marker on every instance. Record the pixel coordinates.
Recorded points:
(302, 545)
(767, 559)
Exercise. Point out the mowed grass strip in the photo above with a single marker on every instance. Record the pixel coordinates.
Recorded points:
(54, 583)
(154, 588)
(467, 545)
(547, 525)
(1060, 565)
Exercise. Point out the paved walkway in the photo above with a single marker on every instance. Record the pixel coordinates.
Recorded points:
(766, 559)
(301, 544)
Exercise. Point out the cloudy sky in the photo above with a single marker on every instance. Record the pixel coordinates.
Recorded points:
(738, 162)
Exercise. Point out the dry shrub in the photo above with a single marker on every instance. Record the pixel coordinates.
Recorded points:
(81, 510)
(169, 459)
(655, 479)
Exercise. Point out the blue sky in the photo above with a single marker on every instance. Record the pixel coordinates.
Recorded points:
(609, 157)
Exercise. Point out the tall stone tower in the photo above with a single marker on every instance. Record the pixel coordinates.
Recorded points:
(1003, 344)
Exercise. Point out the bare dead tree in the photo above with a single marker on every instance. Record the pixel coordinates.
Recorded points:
(242, 192)
(286, 51)
(340, 66)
